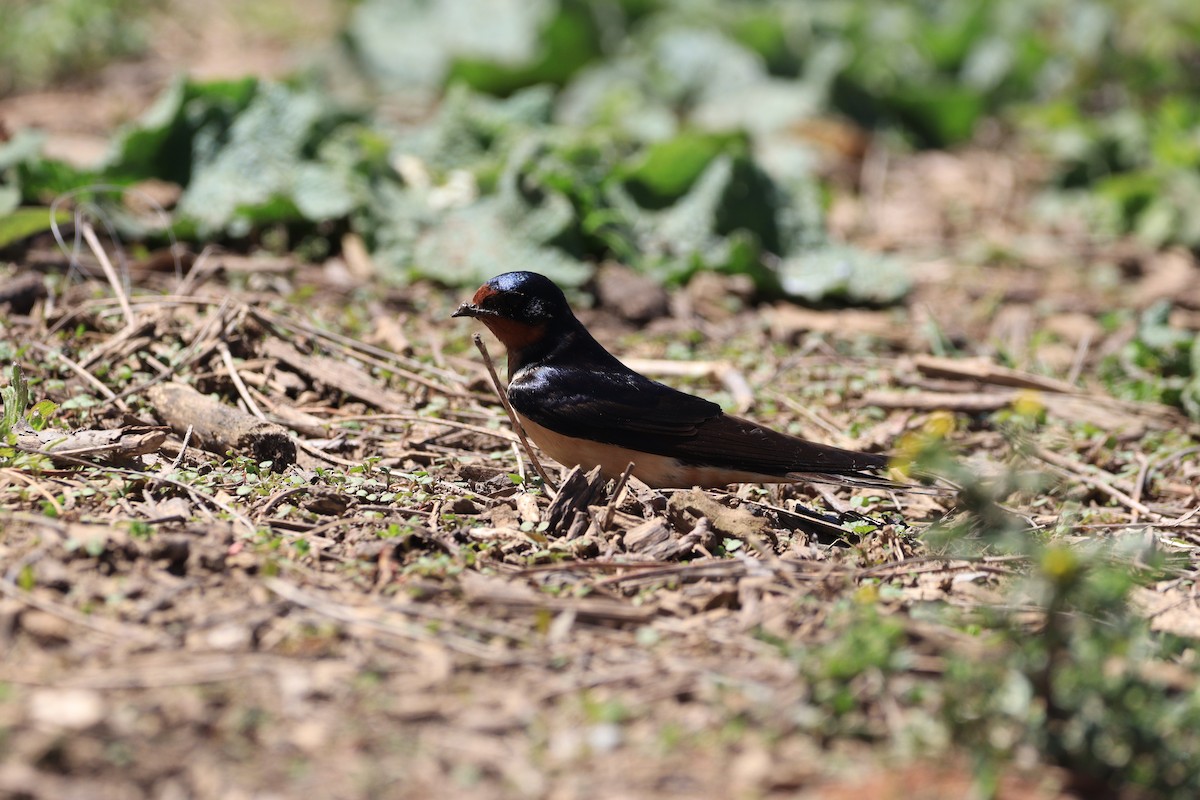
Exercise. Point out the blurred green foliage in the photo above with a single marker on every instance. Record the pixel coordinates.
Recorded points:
(1160, 363)
(47, 40)
(1066, 669)
(1069, 673)
(1137, 170)
(17, 411)
(662, 133)
(1090, 688)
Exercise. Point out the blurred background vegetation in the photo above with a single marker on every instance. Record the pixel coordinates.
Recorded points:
(671, 136)
(46, 41)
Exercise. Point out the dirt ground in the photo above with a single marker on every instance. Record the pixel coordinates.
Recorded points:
(396, 615)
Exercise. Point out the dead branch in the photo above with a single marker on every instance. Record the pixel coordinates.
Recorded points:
(119, 445)
(1073, 469)
(969, 402)
(220, 428)
(986, 372)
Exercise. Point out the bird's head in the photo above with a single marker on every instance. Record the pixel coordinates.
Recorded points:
(518, 307)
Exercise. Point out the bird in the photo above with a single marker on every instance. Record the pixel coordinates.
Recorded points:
(581, 405)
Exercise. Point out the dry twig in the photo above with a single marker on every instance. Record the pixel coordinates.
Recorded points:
(512, 415)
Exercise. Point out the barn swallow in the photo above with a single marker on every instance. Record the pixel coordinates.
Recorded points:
(584, 407)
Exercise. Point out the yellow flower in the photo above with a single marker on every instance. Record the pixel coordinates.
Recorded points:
(1060, 564)
(939, 425)
(1028, 403)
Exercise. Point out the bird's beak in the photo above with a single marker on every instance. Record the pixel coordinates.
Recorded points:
(473, 310)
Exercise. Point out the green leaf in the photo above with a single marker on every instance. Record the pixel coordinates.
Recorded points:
(472, 244)
(26, 176)
(25, 578)
(25, 146)
(939, 115)
(187, 123)
(1190, 396)
(567, 42)
(844, 274)
(677, 241)
(494, 45)
(10, 199)
(666, 170)
(259, 174)
(39, 415)
(15, 398)
(25, 222)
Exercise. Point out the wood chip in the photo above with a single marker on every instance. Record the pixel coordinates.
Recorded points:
(648, 536)
(578, 491)
(337, 375)
(735, 522)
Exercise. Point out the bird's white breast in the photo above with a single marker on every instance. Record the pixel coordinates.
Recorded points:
(654, 470)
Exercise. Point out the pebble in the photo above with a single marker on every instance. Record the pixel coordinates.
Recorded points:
(74, 709)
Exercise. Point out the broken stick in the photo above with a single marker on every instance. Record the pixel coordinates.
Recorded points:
(69, 448)
(220, 428)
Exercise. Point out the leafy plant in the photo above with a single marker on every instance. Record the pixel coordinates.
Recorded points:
(1160, 364)
(16, 414)
(1078, 686)
(495, 47)
(1083, 689)
(15, 397)
(1136, 170)
(660, 134)
(46, 40)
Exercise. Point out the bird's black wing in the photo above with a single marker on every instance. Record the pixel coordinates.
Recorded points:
(614, 407)
(629, 410)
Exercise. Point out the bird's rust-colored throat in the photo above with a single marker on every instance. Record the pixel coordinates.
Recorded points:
(512, 334)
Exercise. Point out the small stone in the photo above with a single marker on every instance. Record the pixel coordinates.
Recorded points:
(605, 737)
(633, 295)
(76, 709)
(327, 503)
(230, 637)
(48, 628)
(464, 505)
(527, 508)
(371, 549)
